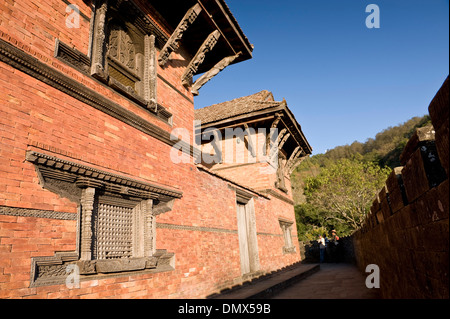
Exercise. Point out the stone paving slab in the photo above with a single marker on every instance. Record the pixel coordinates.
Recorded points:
(333, 281)
(273, 284)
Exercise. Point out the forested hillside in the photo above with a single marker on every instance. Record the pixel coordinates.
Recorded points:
(332, 190)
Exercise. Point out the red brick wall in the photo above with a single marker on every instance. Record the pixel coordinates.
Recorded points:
(408, 237)
(33, 26)
(36, 116)
(270, 246)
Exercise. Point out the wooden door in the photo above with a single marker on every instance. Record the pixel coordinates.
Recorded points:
(243, 233)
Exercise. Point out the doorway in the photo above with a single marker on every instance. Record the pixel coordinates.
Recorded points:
(248, 245)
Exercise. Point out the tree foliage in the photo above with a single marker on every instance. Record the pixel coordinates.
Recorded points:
(344, 191)
(383, 150)
(335, 190)
(311, 222)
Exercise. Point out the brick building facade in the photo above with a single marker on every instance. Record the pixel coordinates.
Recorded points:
(92, 204)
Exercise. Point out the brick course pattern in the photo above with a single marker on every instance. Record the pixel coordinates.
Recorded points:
(201, 229)
(407, 232)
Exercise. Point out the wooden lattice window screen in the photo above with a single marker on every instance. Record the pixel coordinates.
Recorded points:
(114, 232)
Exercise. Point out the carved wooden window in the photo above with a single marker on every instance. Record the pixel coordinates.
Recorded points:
(286, 227)
(117, 228)
(114, 228)
(121, 47)
(124, 63)
(116, 221)
(124, 52)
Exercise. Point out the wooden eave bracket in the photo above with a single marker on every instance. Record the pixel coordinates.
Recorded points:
(199, 57)
(174, 41)
(216, 69)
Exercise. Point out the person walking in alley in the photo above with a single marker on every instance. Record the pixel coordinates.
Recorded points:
(334, 247)
(321, 242)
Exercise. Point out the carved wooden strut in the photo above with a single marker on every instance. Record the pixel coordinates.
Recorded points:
(174, 41)
(199, 57)
(216, 69)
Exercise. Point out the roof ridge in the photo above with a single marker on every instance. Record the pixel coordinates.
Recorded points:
(259, 101)
(242, 97)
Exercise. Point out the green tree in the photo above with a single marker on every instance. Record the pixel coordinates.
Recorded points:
(344, 190)
(311, 222)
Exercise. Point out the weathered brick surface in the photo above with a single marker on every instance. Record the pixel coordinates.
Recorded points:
(439, 106)
(422, 137)
(36, 116)
(59, 125)
(442, 142)
(385, 211)
(414, 177)
(411, 246)
(395, 189)
(439, 113)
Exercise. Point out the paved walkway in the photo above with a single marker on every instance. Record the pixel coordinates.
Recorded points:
(266, 286)
(332, 281)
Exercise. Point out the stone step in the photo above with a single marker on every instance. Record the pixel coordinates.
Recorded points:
(267, 286)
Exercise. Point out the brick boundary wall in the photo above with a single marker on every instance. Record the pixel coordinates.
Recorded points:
(407, 231)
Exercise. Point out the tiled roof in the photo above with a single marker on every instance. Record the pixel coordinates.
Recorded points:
(243, 105)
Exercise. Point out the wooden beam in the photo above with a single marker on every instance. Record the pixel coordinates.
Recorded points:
(216, 69)
(199, 57)
(271, 132)
(281, 143)
(213, 24)
(174, 41)
(247, 135)
(295, 163)
(297, 152)
(217, 139)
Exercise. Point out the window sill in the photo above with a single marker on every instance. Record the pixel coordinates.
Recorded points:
(54, 270)
(289, 250)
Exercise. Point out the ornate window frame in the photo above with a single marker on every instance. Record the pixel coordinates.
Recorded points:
(286, 227)
(107, 203)
(137, 83)
(108, 67)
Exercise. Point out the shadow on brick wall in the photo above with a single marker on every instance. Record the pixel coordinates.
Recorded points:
(406, 232)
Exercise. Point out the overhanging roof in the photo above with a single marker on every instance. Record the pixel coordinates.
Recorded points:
(215, 15)
(256, 108)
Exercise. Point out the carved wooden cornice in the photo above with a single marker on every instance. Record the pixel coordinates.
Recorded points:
(243, 196)
(50, 167)
(174, 41)
(199, 57)
(285, 222)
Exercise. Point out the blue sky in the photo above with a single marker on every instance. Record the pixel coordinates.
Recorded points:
(343, 81)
